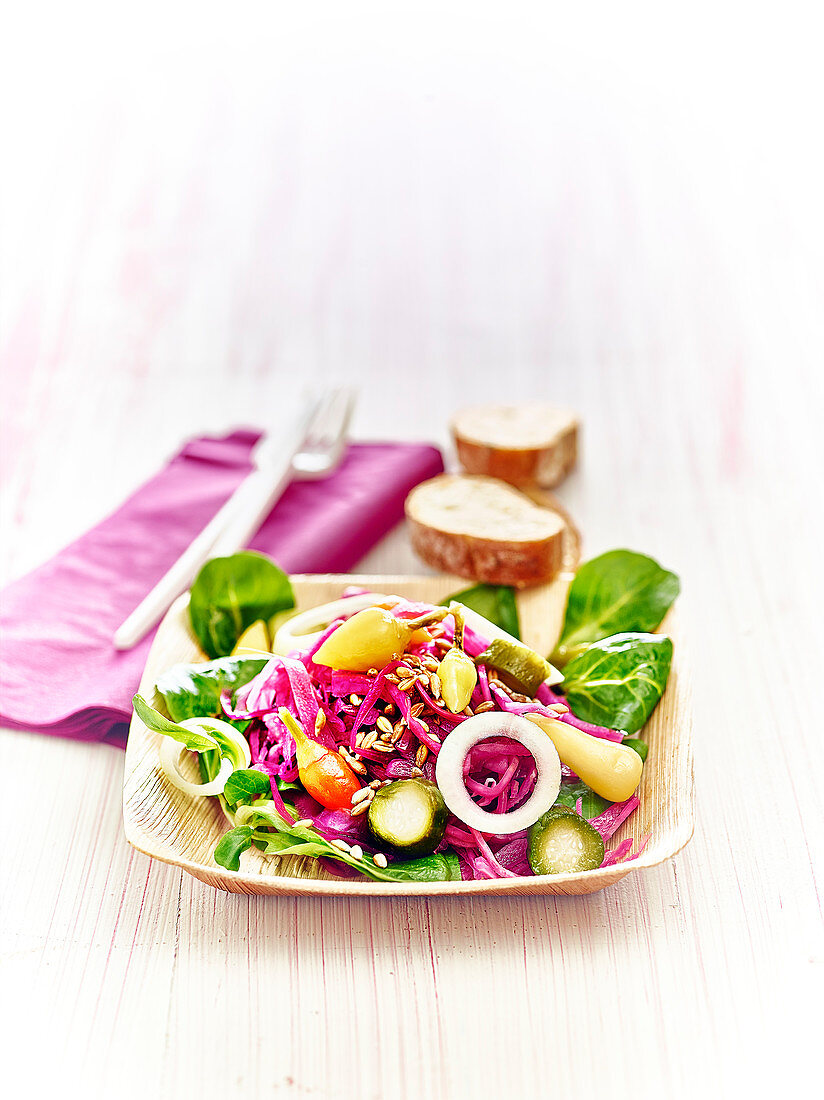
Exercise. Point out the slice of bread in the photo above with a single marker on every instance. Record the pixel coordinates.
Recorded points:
(483, 529)
(523, 444)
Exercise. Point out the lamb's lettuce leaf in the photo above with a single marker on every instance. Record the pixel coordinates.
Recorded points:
(618, 592)
(617, 682)
(193, 691)
(230, 594)
(495, 602)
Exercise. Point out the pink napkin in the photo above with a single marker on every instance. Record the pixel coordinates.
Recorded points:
(59, 672)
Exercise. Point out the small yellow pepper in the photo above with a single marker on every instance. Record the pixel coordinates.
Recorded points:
(457, 671)
(370, 639)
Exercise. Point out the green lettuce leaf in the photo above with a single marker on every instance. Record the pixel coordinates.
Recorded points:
(229, 594)
(618, 592)
(617, 682)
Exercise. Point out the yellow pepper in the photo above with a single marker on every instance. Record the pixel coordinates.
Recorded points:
(457, 671)
(612, 770)
(370, 639)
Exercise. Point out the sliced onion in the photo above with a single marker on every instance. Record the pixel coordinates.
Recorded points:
(171, 752)
(303, 629)
(450, 780)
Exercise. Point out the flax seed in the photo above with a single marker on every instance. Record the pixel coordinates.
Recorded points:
(359, 739)
(399, 727)
(375, 784)
(417, 710)
(403, 671)
(358, 767)
(391, 677)
(381, 746)
(359, 795)
(421, 755)
(482, 708)
(361, 808)
(369, 740)
(429, 663)
(435, 684)
(380, 859)
(384, 725)
(405, 685)
(424, 725)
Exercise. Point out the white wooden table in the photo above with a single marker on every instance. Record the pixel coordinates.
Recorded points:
(203, 219)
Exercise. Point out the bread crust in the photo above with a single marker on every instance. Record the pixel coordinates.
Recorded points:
(495, 559)
(546, 465)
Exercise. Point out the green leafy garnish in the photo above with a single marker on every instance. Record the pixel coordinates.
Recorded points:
(244, 784)
(641, 747)
(196, 742)
(617, 682)
(192, 691)
(495, 602)
(259, 823)
(230, 594)
(592, 804)
(232, 845)
(210, 738)
(620, 591)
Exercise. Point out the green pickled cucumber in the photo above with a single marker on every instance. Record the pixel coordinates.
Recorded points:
(518, 666)
(562, 842)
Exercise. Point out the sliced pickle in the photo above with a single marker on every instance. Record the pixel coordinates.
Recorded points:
(518, 666)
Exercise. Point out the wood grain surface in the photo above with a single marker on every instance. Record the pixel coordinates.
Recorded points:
(619, 212)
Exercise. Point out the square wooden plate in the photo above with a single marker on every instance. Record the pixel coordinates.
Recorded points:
(167, 824)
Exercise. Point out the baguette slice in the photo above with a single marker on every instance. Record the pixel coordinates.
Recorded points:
(483, 529)
(525, 445)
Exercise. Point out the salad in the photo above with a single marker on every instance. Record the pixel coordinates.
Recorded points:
(406, 741)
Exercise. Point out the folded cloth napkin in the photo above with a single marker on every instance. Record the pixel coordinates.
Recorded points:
(60, 673)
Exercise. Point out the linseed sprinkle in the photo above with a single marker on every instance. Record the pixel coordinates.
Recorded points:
(421, 755)
(429, 663)
(384, 724)
(359, 795)
(435, 684)
(369, 740)
(405, 685)
(418, 710)
(361, 808)
(482, 708)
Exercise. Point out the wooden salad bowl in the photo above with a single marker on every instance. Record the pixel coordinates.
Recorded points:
(169, 825)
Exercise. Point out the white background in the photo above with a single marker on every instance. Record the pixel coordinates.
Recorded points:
(617, 207)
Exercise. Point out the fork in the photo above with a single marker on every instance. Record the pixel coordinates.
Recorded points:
(312, 451)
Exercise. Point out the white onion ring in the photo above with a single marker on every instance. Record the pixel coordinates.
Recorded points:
(304, 629)
(449, 772)
(171, 752)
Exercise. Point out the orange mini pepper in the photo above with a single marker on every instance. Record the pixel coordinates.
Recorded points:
(323, 772)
